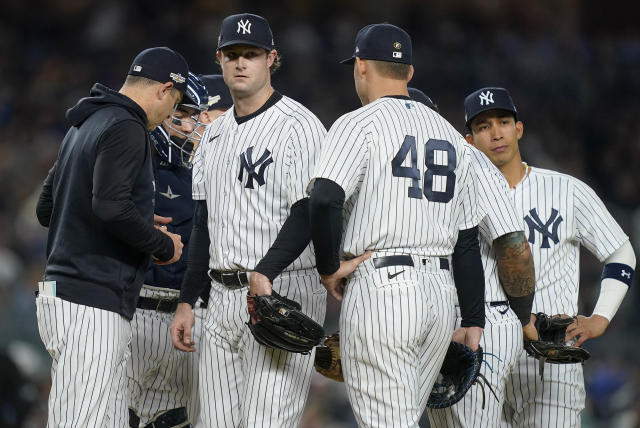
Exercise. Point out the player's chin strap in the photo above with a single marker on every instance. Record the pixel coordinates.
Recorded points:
(174, 418)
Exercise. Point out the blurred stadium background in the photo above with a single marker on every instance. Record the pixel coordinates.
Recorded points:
(573, 68)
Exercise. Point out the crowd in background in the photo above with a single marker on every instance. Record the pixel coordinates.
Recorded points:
(573, 69)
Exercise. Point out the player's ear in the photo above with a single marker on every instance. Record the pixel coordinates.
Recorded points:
(360, 65)
(519, 129)
(164, 90)
(410, 73)
(271, 57)
(469, 139)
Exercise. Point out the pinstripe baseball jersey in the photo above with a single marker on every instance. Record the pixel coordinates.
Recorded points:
(408, 182)
(561, 212)
(499, 217)
(251, 170)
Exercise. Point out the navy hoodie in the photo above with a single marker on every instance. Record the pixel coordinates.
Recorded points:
(98, 204)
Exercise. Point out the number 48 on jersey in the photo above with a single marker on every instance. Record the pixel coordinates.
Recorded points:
(439, 180)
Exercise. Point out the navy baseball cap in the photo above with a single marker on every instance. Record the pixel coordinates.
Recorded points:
(246, 29)
(490, 98)
(382, 42)
(417, 95)
(219, 95)
(162, 65)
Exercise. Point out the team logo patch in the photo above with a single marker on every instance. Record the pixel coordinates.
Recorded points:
(247, 164)
(177, 77)
(397, 45)
(486, 98)
(537, 225)
(283, 312)
(213, 100)
(244, 26)
(169, 194)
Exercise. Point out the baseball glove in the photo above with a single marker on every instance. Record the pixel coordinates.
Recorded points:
(551, 347)
(278, 322)
(460, 370)
(327, 361)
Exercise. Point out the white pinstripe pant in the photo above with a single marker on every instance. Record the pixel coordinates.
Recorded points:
(394, 335)
(557, 400)
(501, 343)
(90, 348)
(242, 383)
(159, 376)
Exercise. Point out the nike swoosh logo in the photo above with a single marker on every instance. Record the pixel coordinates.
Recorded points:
(391, 276)
(214, 137)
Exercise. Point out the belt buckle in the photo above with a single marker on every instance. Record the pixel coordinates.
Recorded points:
(240, 284)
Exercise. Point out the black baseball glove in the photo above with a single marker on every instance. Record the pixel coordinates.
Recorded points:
(551, 346)
(460, 370)
(278, 322)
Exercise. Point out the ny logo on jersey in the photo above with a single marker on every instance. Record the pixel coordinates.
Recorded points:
(534, 223)
(247, 164)
(486, 98)
(245, 26)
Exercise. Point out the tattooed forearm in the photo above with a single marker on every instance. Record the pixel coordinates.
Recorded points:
(515, 264)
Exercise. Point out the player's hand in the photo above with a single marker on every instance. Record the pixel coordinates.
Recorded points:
(584, 328)
(469, 336)
(181, 328)
(177, 247)
(159, 220)
(259, 285)
(529, 331)
(336, 282)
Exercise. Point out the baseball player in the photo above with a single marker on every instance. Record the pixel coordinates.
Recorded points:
(162, 382)
(394, 192)
(98, 204)
(251, 233)
(559, 214)
(509, 292)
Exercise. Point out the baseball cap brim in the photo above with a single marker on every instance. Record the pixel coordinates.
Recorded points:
(348, 61)
(245, 42)
(478, 113)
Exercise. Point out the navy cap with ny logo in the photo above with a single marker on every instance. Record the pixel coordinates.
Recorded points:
(162, 65)
(382, 42)
(246, 29)
(490, 98)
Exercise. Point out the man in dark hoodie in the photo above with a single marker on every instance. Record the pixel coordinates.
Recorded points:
(97, 202)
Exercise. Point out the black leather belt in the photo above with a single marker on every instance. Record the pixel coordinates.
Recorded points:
(404, 260)
(160, 305)
(233, 280)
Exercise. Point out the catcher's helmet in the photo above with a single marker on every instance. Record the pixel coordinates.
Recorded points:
(178, 136)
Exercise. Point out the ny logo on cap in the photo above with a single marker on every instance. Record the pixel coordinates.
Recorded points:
(245, 26)
(486, 98)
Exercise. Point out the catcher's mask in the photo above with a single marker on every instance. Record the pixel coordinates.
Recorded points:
(179, 135)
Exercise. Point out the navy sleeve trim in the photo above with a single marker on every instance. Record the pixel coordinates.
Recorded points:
(469, 278)
(325, 213)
